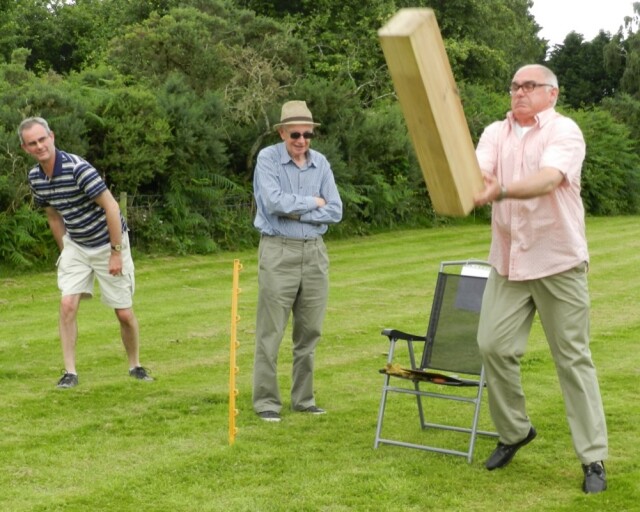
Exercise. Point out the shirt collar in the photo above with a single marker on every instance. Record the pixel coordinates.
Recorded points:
(57, 165)
(542, 118)
(285, 157)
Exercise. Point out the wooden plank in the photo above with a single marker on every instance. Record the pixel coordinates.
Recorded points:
(427, 92)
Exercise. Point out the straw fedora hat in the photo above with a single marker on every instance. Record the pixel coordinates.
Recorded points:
(295, 112)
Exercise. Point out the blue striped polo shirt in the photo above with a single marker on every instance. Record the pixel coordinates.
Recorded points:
(72, 191)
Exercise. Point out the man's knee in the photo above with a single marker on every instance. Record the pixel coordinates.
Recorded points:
(126, 316)
(495, 348)
(69, 306)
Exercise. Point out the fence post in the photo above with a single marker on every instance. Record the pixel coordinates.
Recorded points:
(123, 204)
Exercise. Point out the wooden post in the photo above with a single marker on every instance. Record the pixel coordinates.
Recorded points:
(123, 204)
(429, 99)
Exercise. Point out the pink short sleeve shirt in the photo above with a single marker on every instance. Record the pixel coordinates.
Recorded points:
(542, 236)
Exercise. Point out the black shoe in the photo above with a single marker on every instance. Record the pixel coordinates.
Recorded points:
(271, 416)
(503, 453)
(68, 380)
(595, 478)
(315, 410)
(140, 373)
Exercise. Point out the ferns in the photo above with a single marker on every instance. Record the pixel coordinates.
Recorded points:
(24, 238)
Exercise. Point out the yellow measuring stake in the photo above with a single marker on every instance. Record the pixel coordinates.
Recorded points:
(233, 367)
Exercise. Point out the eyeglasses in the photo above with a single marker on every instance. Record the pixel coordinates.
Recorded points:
(527, 87)
(306, 135)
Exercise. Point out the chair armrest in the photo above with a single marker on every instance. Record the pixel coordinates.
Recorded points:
(399, 335)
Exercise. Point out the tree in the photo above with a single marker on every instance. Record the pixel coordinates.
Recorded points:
(611, 171)
(488, 41)
(582, 71)
(485, 41)
(172, 99)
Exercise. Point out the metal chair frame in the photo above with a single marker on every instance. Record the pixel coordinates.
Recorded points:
(479, 270)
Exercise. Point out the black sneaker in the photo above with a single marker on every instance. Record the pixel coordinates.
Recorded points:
(68, 380)
(140, 373)
(595, 478)
(271, 416)
(313, 410)
(503, 453)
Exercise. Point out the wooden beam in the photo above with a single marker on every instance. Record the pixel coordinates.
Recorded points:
(430, 102)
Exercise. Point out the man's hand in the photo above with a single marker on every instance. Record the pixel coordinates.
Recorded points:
(320, 202)
(115, 263)
(491, 190)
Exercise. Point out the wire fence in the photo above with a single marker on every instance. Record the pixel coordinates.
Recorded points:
(144, 213)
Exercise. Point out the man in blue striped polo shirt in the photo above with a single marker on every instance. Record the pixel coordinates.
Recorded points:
(91, 233)
(296, 198)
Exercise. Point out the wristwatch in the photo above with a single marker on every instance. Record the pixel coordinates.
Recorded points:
(116, 248)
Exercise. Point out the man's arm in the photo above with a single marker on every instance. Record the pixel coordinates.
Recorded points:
(329, 209)
(539, 184)
(114, 225)
(56, 224)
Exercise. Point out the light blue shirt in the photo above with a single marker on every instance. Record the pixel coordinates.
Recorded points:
(285, 194)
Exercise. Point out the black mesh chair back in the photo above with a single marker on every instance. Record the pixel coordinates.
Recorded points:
(451, 337)
(449, 358)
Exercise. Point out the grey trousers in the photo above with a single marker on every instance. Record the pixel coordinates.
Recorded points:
(562, 303)
(293, 277)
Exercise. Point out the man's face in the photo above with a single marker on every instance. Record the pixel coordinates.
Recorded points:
(294, 139)
(38, 143)
(525, 105)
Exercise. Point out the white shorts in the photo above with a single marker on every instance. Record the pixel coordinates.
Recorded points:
(79, 266)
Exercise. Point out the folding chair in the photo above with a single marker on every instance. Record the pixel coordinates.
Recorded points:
(450, 356)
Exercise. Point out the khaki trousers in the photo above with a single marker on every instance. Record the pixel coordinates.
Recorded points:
(293, 277)
(562, 303)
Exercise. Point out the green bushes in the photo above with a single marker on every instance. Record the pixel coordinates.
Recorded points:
(173, 99)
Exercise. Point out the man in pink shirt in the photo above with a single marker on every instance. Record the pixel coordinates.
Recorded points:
(531, 163)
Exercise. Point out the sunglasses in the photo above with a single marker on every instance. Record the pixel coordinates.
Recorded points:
(297, 135)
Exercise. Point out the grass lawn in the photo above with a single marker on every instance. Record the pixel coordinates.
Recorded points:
(115, 444)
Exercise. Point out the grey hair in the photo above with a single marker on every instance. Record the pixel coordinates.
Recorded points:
(549, 76)
(29, 122)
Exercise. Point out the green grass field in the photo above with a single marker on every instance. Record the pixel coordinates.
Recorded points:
(115, 444)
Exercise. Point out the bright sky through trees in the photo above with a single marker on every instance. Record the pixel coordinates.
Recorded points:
(559, 17)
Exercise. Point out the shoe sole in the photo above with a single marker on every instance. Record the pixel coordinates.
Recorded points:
(67, 385)
(584, 489)
(270, 419)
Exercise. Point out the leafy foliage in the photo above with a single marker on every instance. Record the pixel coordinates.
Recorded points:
(24, 237)
(582, 70)
(171, 100)
(611, 172)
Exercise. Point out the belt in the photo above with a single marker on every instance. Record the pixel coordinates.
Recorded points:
(288, 240)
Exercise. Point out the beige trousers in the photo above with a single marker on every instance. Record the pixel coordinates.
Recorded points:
(562, 303)
(293, 277)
